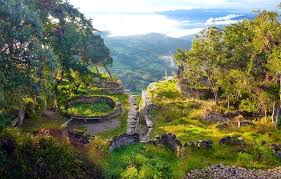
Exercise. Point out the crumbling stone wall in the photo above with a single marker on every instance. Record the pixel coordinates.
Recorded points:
(110, 87)
(123, 140)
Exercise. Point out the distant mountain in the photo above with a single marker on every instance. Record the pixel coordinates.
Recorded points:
(202, 15)
(140, 60)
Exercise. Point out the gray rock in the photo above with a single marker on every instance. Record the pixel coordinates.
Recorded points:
(232, 141)
(205, 144)
(226, 172)
(169, 140)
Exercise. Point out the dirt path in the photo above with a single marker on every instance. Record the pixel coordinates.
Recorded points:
(99, 127)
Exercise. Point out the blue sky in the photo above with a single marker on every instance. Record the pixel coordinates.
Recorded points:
(92, 6)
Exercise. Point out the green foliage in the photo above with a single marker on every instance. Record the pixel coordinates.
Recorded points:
(27, 156)
(95, 109)
(238, 62)
(141, 161)
(249, 106)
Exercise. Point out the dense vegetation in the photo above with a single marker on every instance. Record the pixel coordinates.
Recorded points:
(45, 44)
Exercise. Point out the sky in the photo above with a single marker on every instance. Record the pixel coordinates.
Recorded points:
(91, 6)
(138, 17)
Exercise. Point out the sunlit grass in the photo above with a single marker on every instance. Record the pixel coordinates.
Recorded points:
(95, 109)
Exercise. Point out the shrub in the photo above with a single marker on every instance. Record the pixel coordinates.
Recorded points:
(27, 156)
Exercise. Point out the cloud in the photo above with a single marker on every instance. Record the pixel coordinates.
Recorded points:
(223, 20)
(139, 24)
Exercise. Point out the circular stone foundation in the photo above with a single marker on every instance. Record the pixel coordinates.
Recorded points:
(93, 108)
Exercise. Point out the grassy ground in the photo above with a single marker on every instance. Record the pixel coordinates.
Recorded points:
(182, 116)
(95, 109)
(141, 161)
(35, 123)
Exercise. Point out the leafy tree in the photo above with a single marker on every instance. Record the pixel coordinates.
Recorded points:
(25, 63)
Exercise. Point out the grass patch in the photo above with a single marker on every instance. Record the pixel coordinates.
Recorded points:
(141, 161)
(95, 109)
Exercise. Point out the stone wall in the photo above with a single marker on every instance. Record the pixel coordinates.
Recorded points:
(144, 117)
(123, 140)
(110, 87)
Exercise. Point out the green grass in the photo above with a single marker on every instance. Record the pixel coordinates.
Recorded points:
(95, 109)
(37, 122)
(182, 116)
(148, 160)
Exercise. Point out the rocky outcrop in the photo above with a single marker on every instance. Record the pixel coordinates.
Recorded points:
(132, 115)
(225, 172)
(123, 140)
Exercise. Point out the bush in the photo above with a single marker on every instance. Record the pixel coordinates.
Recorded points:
(27, 156)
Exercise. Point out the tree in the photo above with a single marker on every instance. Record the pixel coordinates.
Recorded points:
(25, 63)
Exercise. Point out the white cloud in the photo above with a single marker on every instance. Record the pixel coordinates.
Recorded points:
(139, 24)
(222, 20)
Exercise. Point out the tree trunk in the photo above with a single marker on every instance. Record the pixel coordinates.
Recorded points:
(228, 103)
(44, 106)
(273, 112)
(277, 119)
(105, 67)
(97, 69)
(21, 115)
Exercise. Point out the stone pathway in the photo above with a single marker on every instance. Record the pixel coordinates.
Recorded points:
(132, 116)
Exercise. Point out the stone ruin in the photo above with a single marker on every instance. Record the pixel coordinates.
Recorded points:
(116, 108)
(123, 140)
(110, 87)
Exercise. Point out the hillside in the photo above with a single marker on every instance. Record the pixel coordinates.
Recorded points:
(140, 60)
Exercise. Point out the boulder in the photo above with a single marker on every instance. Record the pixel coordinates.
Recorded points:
(205, 144)
(215, 118)
(169, 140)
(238, 141)
(276, 148)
